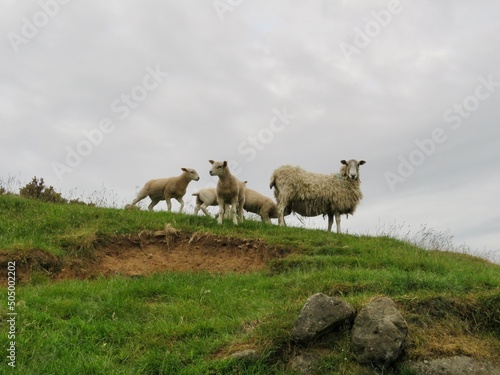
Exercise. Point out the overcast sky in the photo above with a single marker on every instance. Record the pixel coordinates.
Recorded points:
(105, 95)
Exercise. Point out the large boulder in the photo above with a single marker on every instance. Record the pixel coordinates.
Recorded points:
(320, 315)
(379, 333)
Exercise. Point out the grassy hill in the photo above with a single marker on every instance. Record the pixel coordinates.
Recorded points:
(75, 316)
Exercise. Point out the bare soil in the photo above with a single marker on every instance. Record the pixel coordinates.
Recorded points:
(146, 253)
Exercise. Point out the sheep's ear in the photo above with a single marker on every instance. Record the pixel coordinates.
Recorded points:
(211, 161)
(184, 169)
(343, 162)
(225, 163)
(361, 162)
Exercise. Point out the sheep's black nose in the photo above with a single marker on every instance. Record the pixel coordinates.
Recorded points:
(353, 176)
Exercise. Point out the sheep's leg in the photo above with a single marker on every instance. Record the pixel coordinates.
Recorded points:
(337, 219)
(136, 200)
(234, 209)
(240, 210)
(196, 209)
(264, 216)
(241, 216)
(227, 211)
(234, 214)
(139, 197)
(181, 201)
(221, 210)
(154, 202)
(330, 222)
(169, 204)
(281, 215)
(204, 209)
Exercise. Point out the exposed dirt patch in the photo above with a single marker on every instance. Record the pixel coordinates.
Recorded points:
(27, 262)
(147, 253)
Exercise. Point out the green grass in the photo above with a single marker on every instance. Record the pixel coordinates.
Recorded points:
(164, 324)
(189, 322)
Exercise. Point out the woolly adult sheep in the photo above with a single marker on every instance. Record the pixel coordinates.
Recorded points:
(229, 190)
(313, 194)
(167, 188)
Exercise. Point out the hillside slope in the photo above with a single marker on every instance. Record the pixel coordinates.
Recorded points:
(114, 291)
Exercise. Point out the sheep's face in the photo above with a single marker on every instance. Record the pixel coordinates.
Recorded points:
(218, 168)
(351, 168)
(193, 175)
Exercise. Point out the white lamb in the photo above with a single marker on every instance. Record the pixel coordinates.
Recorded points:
(166, 189)
(205, 198)
(254, 202)
(313, 194)
(261, 205)
(229, 190)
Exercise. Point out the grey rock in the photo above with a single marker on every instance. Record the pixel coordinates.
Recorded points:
(246, 355)
(321, 314)
(304, 364)
(158, 234)
(462, 365)
(379, 333)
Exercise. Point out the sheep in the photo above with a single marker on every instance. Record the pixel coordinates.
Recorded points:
(166, 189)
(204, 198)
(254, 202)
(313, 194)
(229, 190)
(207, 197)
(261, 205)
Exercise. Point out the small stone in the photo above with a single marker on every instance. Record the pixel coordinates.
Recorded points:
(158, 234)
(304, 364)
(245, 355)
